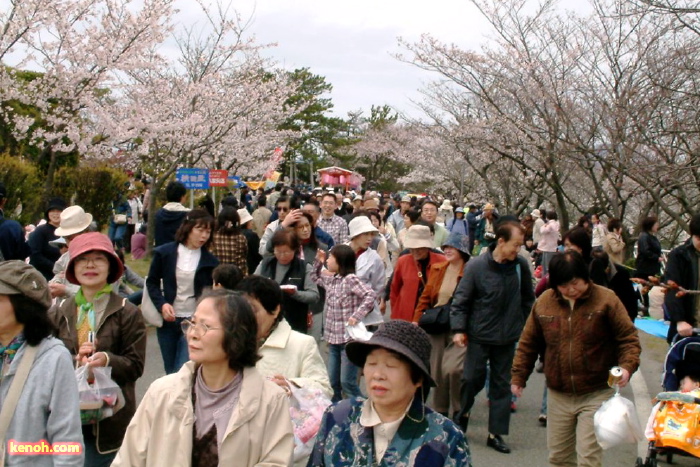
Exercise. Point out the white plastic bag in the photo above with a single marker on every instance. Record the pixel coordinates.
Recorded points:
(100, 398)
(616, 422)
(306, 409)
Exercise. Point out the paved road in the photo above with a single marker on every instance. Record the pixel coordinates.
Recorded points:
(527, 438)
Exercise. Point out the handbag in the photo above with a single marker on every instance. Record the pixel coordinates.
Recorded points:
(436, 320)
(119, 219)
(150, 314)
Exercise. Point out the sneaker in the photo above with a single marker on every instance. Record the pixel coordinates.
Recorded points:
(542, 419)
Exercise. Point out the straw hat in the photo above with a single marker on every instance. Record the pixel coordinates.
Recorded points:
(74, 220)
(418, 236)
(488, 207)
(360, 225)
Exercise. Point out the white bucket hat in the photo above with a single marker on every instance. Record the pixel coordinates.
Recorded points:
(245, 216)
(74, 220)
(360, 225)
(418, 236)
(536, 213)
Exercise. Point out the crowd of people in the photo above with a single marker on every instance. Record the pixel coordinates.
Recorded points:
(265, 297)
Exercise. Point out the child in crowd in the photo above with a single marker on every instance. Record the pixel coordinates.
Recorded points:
(226, 276)
(348, 300)
(689, 384)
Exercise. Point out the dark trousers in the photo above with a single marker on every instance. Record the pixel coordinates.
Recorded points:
(500, 358)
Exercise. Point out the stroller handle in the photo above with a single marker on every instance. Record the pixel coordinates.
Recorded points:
(677, 337)
(678, 397)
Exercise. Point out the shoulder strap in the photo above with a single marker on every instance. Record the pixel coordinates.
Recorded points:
(10, 402)
(517, 271)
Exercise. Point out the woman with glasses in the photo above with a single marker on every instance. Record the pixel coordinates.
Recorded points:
(100, 329)
(217, 409)
(294, 277)
(179, 272)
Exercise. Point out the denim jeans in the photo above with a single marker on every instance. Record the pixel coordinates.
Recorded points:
(343, 374)
(116, 234)
(173, 345)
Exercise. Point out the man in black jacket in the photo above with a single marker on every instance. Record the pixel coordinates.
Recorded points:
(682, 268)
(489, 309)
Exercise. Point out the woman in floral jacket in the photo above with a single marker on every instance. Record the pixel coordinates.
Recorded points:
(393, 426)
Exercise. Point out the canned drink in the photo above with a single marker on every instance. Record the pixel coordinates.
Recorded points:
(615, 376)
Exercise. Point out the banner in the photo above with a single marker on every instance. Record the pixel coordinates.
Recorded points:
(193, 179)
(218, 178)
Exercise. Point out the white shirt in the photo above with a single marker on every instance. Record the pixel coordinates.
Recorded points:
(187, 259)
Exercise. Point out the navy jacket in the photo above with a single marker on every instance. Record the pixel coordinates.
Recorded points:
(166, 224)
(12, 242)
(163, 267)
(324, 237)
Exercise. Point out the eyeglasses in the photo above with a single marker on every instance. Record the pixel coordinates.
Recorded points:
(281, 209)
(304, 227)
(199, 329)
(95, 260)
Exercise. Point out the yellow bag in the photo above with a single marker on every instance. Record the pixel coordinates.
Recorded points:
(676, 426)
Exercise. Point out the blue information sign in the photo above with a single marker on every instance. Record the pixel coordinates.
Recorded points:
(193, 179)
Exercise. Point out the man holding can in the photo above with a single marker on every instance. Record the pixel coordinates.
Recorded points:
(583, 331)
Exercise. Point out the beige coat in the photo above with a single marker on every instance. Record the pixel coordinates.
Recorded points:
(160, 434)
(614, 246)
(296, 357)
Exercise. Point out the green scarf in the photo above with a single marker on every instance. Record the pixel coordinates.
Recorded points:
(87, 309)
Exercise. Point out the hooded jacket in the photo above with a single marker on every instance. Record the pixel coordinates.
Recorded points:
(167, 220)
(579, 344)
(492, 301)
(121, 334)
(48, 408)
(160, 434)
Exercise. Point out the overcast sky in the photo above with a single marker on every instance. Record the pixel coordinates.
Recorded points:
(352, 44)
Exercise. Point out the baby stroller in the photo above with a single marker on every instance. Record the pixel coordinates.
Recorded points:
(677, 423)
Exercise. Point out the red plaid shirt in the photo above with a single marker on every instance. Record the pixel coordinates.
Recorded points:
(231, 249)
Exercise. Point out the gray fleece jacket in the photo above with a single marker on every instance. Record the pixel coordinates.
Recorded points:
(48, 408)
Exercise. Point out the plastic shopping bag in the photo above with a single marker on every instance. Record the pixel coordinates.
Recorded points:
(306, 409)
(100, 398)
(616, 422)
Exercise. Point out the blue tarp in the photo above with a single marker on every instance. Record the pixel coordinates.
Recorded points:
(652, 326)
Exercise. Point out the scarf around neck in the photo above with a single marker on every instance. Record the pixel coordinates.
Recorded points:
(87, 309)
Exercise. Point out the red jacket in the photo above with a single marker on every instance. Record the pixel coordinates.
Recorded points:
(405, 284)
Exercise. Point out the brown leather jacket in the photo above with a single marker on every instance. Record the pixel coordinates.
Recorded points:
(121, 333)
(429, 297)
(580, 345)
